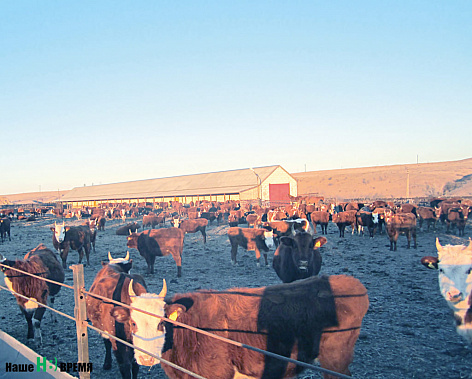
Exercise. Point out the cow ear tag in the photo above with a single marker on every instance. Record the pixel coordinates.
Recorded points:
(173, 316)
(317, 244)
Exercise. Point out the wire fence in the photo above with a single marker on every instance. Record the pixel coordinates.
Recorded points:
(80, 292)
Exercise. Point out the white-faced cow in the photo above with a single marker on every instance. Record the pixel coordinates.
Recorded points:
(454, 265)
(41, 262)
(77, 238)
(256, 239)
(158, 243)
(112, 282)
(192, 226)
(307, 319)
(298, 257)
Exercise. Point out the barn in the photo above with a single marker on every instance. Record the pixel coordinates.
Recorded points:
(268, 185)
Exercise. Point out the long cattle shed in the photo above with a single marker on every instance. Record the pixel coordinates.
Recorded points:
(269, 184)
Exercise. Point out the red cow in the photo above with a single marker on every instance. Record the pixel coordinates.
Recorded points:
(343, 219)
(192, 226)
(157, 243)
(320, 218)
(41, 262)
(400, 223)
(428, 215)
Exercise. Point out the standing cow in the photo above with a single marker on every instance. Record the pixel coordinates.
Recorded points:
(250, 239)
(307, 319)
(454, 264)
(343, 219)
(320, 218)
(401, 223)
(112, 282)
(298, 257)
(41, 262)
(5, 228)
(192, 226)
(77, 238)
(158, 243)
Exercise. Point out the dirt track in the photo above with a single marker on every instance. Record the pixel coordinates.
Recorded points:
(408, 331)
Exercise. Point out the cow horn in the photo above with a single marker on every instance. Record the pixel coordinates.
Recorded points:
(163, 292)
(110, 257)
(470, 245)
(127, 256)
(2, 258)
(439, 247)
(130, 232)
(130, 289)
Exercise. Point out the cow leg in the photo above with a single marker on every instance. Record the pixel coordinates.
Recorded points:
(234, 251)
(107, 362)
(81, 254)
(124, 360)
(258, 258)
(38, 316)
(414, 238)
(28, 316)
(63, 253)
(408, 237)
(275, 368)
(53, 314)
(87, 253)
(204, 235)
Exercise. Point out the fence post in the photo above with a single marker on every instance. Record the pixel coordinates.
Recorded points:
(80, 313)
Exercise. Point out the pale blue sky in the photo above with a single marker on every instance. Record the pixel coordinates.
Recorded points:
(96, 92)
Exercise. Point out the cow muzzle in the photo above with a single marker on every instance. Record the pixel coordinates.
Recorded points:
(454, 297)
(303, 266)
(147, 360)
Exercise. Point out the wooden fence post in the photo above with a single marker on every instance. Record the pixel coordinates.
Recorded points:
(80, 313)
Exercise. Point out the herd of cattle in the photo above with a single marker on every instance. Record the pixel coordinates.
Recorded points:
(304, 318)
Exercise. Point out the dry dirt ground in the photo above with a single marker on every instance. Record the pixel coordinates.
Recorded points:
(408, 331)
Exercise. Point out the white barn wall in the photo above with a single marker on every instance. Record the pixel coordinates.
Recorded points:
(279, 176)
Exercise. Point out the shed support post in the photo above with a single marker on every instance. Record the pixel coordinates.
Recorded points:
(80, 313)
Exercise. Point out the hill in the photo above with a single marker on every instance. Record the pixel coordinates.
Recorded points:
(453, 178)
(31, 197)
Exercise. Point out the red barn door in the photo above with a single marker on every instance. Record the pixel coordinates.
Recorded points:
(279, 193)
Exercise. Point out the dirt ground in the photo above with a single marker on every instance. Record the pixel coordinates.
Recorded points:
(408, 331)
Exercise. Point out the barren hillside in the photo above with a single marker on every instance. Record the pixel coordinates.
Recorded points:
(425, 179)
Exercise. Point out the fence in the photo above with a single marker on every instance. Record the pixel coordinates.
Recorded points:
(82, 325)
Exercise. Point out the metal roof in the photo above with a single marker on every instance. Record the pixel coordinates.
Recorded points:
(214, 183)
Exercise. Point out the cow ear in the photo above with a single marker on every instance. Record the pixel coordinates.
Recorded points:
(430, 262)
(53, 228)
(120, 314)
(318, 242)
(286, 241)
(67, 228)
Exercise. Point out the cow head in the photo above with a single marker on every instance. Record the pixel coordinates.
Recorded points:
(375, 218)
(146, 330)
(301, 249)
(454, 265)
(176, 222)
(269, 238)
(59, 231)
(132, 240)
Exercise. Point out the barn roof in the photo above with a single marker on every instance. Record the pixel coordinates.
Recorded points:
(214, 183)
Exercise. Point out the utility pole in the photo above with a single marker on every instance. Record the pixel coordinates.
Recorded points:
(407, 183)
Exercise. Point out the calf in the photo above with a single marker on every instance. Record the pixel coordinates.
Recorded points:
(253, 219)
(320, 218)
(250, 239)
(307, 319)
(343, 219)
(77, 238)
(41, 262)
(454, 264)
(112, 282)
(298, 257)
(153, 220)
(5, 228)
(101, 221)
(158, 243)
(192, 226)
(401, 223)
(126, 229)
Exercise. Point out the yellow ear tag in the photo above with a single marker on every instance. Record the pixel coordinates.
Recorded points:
(173, 316)
(317, 244)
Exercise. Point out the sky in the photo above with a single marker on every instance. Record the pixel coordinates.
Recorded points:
(97, 92)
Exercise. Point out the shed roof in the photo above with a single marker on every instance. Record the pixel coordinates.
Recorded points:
(214, 183)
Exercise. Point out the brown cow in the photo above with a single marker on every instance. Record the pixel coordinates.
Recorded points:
(307, 319)
(253, 219)
(401, 223)
(112, 282)
(343, 219)
(41, 262)
(428, 214)
(158, 243)
(192, 226)
(77, 238)
(250, 239)
(320, 218)
(457, 217)
(5, 228)
(153, 220)
(126, 229)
